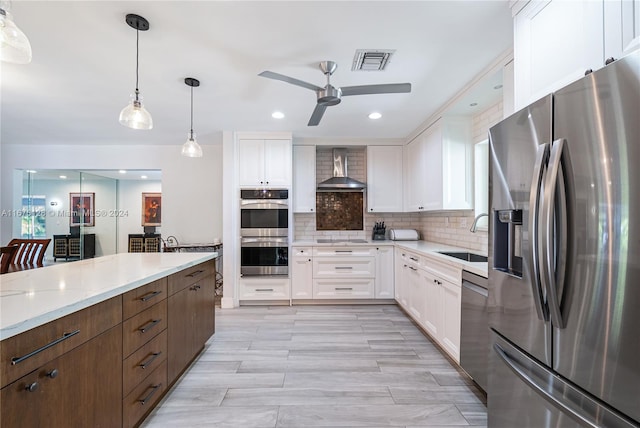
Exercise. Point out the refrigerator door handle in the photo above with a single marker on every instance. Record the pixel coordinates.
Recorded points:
(549, 267)
(542, 157)
(559, 393)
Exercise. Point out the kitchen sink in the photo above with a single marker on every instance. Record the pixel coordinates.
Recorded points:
(469, 257)
(342, 241)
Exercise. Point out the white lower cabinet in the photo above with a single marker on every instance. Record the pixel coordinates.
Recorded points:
(430, 292)
(384, 273)
(301, 273)
(343, 288)
(264, 289)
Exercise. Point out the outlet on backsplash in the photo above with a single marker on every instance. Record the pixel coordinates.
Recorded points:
(463, 222)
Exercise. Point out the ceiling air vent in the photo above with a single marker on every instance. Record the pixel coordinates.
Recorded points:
(371, 59)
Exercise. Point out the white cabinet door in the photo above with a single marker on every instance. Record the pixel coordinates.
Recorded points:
(304, 179)
(457, 164)
(450, 332)
(433, 168)
(621, 27)
(417, 295)
(555, 42)
(384, 273)
(415, 175)
(400, 275)
(384, 178)
(302, 277)
(277, 163)
(433, 309)
(251, 162)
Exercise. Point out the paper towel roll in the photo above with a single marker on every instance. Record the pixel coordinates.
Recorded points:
(404, 235)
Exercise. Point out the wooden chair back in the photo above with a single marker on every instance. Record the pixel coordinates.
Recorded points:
(6, 256)
(30, 253)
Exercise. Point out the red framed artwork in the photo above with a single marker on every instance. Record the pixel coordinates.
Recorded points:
(82, 209)
(151, 209)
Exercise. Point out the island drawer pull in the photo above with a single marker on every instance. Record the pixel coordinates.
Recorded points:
(150, 295)
(150, 360)
(196, 273)
(150, 325)
(144, 400)
(344, 288)
(344, 251)
(65, 336)
(264, 289)
(344, 267)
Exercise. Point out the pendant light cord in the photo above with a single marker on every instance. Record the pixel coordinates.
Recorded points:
(192, 112)
(137, 53)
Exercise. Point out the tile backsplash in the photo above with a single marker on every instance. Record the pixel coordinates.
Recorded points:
(339, 210)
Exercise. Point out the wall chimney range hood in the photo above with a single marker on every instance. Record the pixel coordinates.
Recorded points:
(340, 181)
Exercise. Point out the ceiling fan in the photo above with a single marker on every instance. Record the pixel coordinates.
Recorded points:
(330, 95)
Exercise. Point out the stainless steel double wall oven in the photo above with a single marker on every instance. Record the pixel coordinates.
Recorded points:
(264, 230)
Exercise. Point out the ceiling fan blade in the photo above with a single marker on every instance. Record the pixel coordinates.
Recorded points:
(387, 88)
(276, 76)
(317, 115)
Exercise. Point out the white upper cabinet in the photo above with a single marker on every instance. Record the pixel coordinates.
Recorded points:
(440, 167)
(384, 179)
(557, 41)
(264, 163)
(304, 179)
(621, 27)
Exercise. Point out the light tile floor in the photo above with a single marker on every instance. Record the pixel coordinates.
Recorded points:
(320, 366)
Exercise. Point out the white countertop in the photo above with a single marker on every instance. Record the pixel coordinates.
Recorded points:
(426, 248)
(34, 297)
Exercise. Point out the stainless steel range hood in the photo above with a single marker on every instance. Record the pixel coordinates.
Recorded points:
(340, 180)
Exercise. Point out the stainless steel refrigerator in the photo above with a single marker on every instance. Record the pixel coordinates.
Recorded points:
(564, 256)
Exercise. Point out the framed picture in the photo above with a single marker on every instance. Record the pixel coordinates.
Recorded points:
(82, 209)
(151, 209)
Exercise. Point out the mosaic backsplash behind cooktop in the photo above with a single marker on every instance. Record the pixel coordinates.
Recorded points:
(339, 210)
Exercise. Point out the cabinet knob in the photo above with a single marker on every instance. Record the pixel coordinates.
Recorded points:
(370, 209)
(262, 182)
(267, 182)
(311, 210)
(33, 387)
(309, 259)
(588, 71)
(53, 374)
(609, 60)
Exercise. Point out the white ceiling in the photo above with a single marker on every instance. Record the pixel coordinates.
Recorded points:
(83, 67)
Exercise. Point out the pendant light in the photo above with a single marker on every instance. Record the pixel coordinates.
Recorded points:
(135, 115)
(191, 148)
(14, 45)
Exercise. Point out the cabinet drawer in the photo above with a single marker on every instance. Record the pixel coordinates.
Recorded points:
(138, 330)
(302, 251)
(343, 288)
(142, 362)
(444, 271)
(141, 298)
(189, 276)
(145, 396)
(277, 289)
(347, 267)
(27, 351)
(340, 251)
(412, 259)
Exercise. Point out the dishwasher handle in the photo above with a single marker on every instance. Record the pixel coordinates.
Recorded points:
(475, 288)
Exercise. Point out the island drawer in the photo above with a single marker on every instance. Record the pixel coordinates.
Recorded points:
(25, 352)
(340, 251)
(142, 362)
(145, 396)
(136, 301)
(138, 330)
(348, 267)
(343, 288)
(189, 276)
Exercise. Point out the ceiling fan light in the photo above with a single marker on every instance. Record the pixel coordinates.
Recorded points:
(14, 45)
(135, 116)
(191, 148)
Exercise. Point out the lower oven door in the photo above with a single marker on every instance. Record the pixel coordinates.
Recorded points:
(264, 256)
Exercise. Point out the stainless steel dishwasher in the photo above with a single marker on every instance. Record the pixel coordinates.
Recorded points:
(474, 329)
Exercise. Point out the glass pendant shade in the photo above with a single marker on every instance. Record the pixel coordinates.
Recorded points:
(135, 116)
(14, 45)
(191, 148)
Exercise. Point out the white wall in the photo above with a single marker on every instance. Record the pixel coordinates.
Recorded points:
(191, 188)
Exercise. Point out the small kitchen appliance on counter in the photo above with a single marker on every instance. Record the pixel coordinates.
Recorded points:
(403, 235)
(379, 231)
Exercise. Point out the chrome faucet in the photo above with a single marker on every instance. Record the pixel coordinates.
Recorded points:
(475, 222)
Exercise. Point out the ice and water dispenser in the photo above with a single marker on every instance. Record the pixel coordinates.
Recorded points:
(507, 241)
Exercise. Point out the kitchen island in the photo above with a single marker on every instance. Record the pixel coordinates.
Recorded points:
(98, 342)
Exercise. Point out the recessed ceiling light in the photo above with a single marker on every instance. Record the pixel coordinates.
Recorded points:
(277, 115)
(63, 177)
(497, 87)
(32, 171)
(473, 104)
(144, 177)
(122, 171)
(375, 115)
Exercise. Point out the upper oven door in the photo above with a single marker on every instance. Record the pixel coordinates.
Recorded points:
(264, 218)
